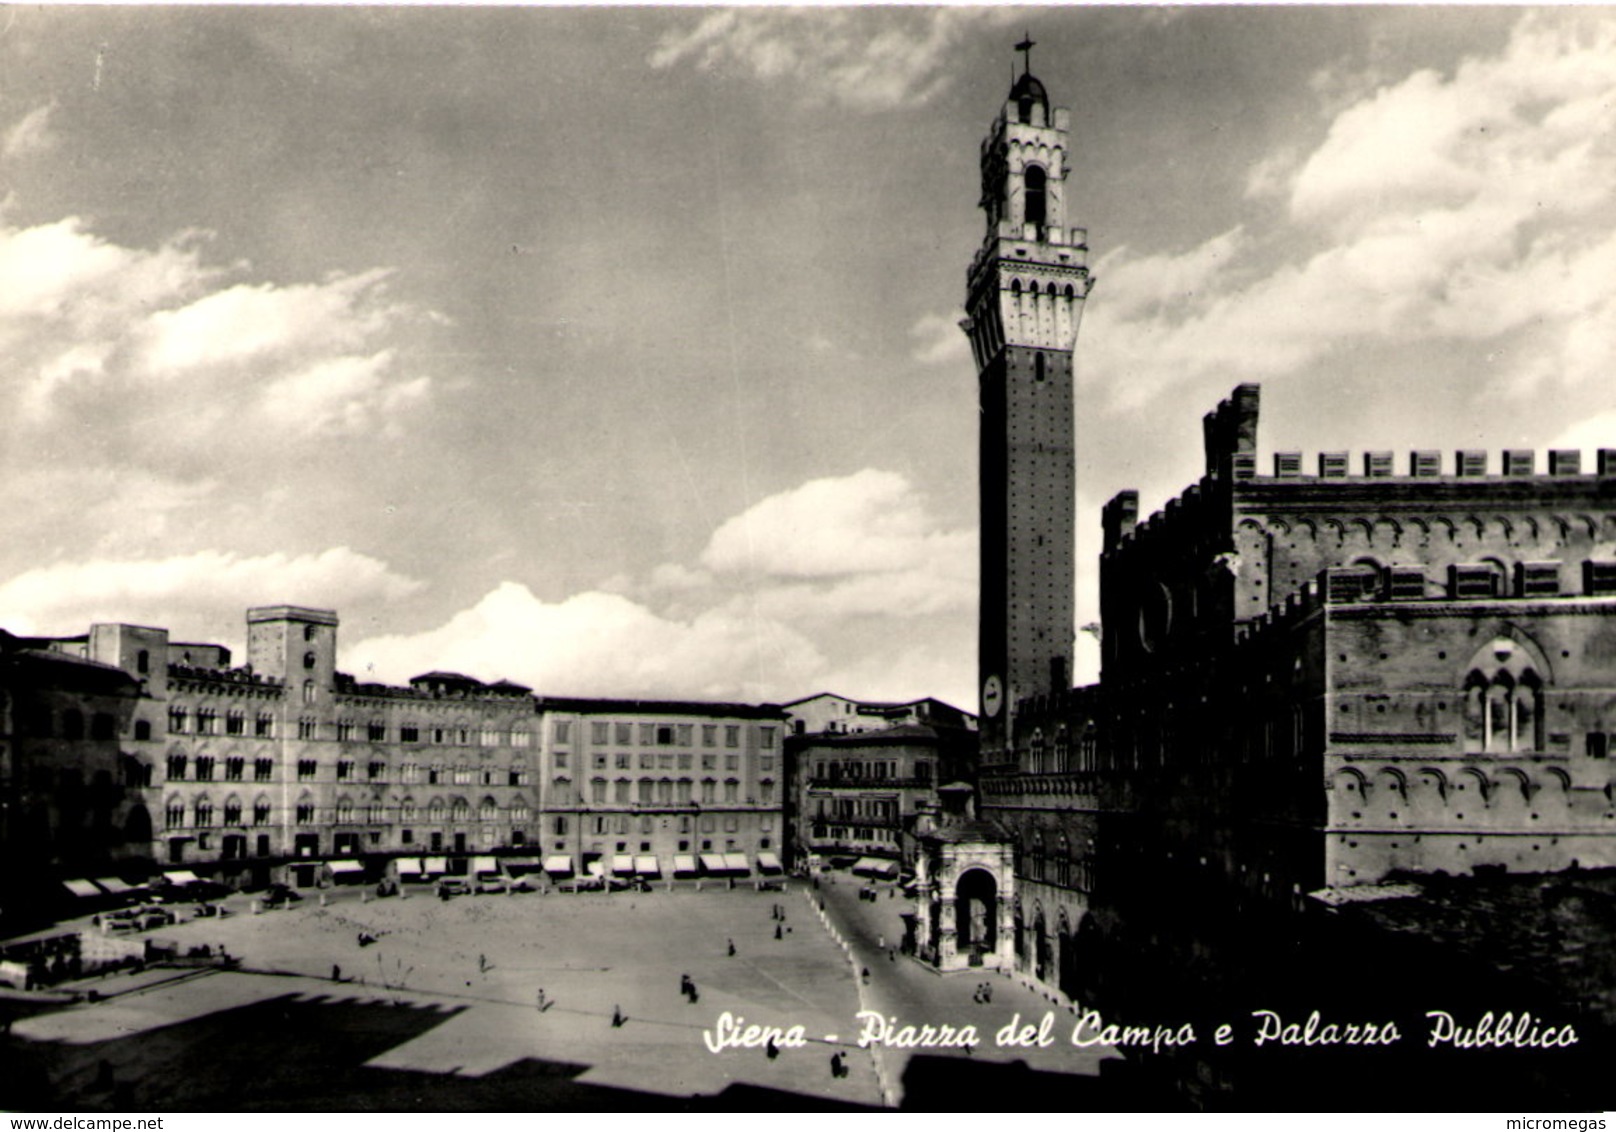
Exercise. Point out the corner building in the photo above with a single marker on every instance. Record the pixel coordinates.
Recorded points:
(663, 788)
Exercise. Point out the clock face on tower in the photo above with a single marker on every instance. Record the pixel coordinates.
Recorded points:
(992, 696)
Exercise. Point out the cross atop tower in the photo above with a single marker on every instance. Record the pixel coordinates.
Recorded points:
(1025, 47)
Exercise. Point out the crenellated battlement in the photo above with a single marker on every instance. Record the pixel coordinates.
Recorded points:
(1297, 607)
(1427, 464)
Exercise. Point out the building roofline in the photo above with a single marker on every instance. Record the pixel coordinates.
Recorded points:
(259, 613)
(583, 704)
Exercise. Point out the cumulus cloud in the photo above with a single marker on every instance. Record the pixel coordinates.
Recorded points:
(762, 616)
(596, 643)
(871, 521)
(1438, 209)
(212, 587)
(830, 55)
(1587, 436)
(169, 343)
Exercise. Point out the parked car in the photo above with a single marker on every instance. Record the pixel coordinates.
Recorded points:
(493, 882)
(138, 919)
(279, 895)
(454, 886)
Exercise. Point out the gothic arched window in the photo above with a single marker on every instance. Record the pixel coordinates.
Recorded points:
(1037, 193)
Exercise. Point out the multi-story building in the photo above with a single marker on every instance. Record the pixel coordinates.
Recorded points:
(828, 713)
(284, 767)
(275, 766)
(663, 788)
(65, 791)
(858, 793)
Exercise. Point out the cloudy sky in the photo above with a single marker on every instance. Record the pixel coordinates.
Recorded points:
(613, 351)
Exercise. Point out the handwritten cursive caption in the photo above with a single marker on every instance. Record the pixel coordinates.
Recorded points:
(1507, 1030)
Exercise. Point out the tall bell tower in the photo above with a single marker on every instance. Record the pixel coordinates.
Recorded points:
(1025, 295)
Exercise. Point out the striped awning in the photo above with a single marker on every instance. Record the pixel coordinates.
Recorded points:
(81, 888)
(409, 866)
(738, 864)
(876, 867)
(714, 863)
(647, 866)
(558, 865)
(769, 864)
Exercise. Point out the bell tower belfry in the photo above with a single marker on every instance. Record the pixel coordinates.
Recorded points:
(1025, 295)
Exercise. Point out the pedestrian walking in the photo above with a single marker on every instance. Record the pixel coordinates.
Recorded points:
(777, 932)
(542, 1002)
(336, 973)
(618, 1017)
(732, 948)
(771, 1049)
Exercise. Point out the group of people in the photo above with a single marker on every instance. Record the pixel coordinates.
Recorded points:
(984, 993)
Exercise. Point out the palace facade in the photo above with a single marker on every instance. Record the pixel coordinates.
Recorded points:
(1314, 679)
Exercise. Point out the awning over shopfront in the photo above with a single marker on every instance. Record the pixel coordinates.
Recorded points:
(623, 865)
(558, 865)
(684, 865)
(346, 868)
(435, 866)
(115, 886)
(738, 864)
(409, 867)
(595, 868)
(484, 866)
(81, 888)
(876, 867)
(769, 864)
(647, 866)
(182, 877)
(521, 866)
(715, 864)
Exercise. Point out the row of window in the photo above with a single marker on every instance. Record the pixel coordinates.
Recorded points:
(204, 768)
(602, 732)
(40, 723)
(346, 812)
(866, 770)
(206, 721)
(853, 833)
(652, 761)
(665, 791)
(1466, 581)
(620, 824)
(847, 809)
